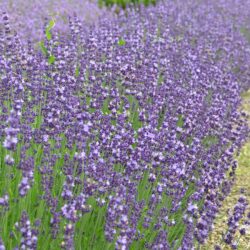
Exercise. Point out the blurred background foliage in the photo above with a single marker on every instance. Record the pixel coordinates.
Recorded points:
(125, 3)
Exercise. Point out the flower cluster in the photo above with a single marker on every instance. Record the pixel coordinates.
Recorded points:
(2, 247)
(233, 222)
(29, 235)
(4, 201)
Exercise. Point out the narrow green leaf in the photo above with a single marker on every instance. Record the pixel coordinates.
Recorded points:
(51, 59)
(49, 28)
(48, 35)
(77, 71)
(43, 48)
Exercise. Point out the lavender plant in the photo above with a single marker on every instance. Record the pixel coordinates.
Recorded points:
(28, 17)
(124, 136)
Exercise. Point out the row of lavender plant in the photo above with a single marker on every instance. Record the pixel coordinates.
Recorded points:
(122, 135)
(28, 17)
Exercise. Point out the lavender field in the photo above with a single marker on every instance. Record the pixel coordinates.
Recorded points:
(124, 129)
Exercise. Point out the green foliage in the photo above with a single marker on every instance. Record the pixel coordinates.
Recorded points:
(49, 28)
(134, 113)
(43, 48)
(209, 141)
(121, 42)
(50, 57)
(180, 122)
(246, 33)
(125, 3)
(77, 71)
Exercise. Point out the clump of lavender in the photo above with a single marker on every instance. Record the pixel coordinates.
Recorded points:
(12, 131)
(124, 132)
(28, 17)
(68, 242)
(27, 176)
(29, 235)
(4, 201)
(233, 221)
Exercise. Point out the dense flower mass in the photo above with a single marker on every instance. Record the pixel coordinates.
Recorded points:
(122, 135)
(28, 17)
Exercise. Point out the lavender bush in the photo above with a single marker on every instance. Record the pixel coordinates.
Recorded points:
(122, 135)
(28, 17)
